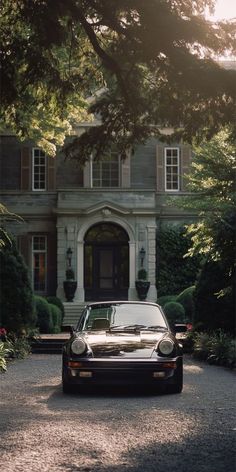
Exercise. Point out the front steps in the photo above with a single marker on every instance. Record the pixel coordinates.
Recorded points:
(49, 343)
(73, 312)
(53, 343)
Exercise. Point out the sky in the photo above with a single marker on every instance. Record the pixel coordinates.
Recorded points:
(225, 9)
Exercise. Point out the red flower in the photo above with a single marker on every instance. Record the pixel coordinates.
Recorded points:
(3, 332)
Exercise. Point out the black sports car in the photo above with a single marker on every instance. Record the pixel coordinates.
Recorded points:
(123, 343)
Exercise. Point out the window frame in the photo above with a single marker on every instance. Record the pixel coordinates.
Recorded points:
(39, 251)
(34, 167)
(101, 178)
(172, 148)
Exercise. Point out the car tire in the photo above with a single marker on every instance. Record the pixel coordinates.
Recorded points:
(66, 386)
(177, 387)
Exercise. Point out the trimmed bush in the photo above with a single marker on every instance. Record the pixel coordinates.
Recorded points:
(16, 295)
(56, 301)
(44, 315)
(186, 298)
(174, 312)
(56, 318)
(166, 299)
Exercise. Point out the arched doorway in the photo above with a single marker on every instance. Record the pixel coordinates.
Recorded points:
(106, 262)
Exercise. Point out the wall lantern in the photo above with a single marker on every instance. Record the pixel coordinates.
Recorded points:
(142, 253)
(69, 256)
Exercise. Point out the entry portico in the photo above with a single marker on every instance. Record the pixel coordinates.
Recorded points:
(106, 240)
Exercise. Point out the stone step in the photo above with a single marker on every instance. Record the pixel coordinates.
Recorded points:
(73, 312)
(49, 343)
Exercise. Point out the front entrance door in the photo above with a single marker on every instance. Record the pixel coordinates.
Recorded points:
(106, 263)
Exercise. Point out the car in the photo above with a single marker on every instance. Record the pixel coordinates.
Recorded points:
(123, 343)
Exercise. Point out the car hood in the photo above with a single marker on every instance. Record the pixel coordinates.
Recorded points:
(123, 344)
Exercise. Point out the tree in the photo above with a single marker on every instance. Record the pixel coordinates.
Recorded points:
(212, 181)
(212, 184)
(153, 63)
(16, 296)
(6, 216)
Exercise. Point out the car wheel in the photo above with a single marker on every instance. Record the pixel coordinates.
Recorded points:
(66, 386)
(177, 387)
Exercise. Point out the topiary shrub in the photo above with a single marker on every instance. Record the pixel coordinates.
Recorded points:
(174, 312)
(166, 299)
(16, 295)
(56, 301)
(56, 318)
(44, 315)
(186, 298)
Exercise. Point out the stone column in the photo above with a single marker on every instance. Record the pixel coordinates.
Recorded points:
(151, 233)
(79, 294)
(132, 295)
(61, 259)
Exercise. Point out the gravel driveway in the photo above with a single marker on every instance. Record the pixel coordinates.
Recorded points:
(43, 430)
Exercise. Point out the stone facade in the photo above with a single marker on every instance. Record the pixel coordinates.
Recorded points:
(63, 213)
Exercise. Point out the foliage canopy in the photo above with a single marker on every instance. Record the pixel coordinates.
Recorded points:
(145, 62)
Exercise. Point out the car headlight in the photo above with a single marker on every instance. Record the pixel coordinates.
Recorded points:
(78, 346)
(166, 347)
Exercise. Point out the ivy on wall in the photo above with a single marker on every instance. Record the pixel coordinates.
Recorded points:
(175, 272)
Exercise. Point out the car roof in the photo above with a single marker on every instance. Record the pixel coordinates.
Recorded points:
(126, 302)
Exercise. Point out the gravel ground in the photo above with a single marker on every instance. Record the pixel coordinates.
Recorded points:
(43, 430)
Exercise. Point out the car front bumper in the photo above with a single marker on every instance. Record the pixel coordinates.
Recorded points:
(126, 372)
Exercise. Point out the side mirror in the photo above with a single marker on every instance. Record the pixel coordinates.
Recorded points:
(69, 329)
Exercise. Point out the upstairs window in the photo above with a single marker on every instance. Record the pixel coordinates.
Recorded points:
(39, 258)
(39, 166)
(172, 171)
(106, 173)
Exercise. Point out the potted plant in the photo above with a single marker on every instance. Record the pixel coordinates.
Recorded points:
(70, 285)
(142, 284)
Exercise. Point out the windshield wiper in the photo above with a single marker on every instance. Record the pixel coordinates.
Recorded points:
(157, 328)
(137, 327)
(134, 327)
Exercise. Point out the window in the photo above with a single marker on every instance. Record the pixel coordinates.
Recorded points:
(39, 170)
(172, 169)
(39, 258)
(106, 173)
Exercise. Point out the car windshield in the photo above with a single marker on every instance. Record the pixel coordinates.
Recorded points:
(123, 316)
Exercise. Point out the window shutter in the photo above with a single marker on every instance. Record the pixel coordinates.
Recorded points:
(51, 172)
(24, 248)
(25, 168)
(125, 172)
(160, 168)
(87, 174)
(185, 165)
(51, 263)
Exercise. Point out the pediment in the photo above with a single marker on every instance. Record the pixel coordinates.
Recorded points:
(107, 209)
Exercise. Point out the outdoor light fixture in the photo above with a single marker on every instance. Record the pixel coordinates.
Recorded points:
(69, 255)
(142, 253)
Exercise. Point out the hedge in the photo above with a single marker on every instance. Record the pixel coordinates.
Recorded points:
(174, 312)
(44, 315)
